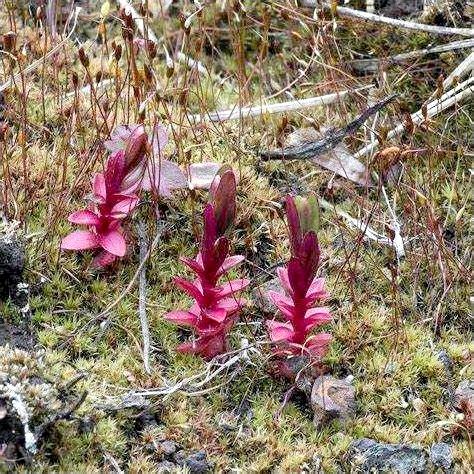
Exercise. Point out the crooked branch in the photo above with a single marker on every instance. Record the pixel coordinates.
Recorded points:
(328, 142)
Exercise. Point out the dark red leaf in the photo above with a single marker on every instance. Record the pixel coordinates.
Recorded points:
(224, 202)
(294, 226)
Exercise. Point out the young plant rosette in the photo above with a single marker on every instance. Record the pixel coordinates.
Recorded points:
(302, 288)
(216, 305)
(136, 163)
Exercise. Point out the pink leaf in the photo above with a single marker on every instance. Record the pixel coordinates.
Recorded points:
(316, 317)
(163, 177)
(280, 331)
(122, 208)
(114, 243)
(216, 314)
(85, 217)
(285, 282)
(136, 148)
(194, 265)
(229, 263)
(201, 175)
(192, 289)
(104, 259)
(316, 289)
(233, 286)
(114, 172)
(184, 318)
(318, 343)
(119, 137)
(99, 187)
(79, 240)
(159, 141)
(230, 304)
(284, 304)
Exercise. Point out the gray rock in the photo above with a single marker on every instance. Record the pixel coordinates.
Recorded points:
(464, 395)
(369, 455)
(441, 455)
(196, 462)
(168, 447)
(12, 261)
(332, 398)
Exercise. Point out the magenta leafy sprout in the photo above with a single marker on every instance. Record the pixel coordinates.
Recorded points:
(136, 163)
(216, 306)
(302, 288)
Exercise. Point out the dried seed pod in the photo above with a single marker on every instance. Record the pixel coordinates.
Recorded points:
(151, 49)
(9, 41)
(101, 30)
(75, 80)
(117, 52)
(147, 74)
(3, 131)
(83, 58)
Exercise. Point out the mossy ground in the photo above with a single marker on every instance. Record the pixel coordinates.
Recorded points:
(385, 314)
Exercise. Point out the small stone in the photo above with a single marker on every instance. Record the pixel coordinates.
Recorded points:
(168, 447)
(12, 261)
(444, 358)
(332, 398)
(166, 467)
(195, 462)
(441, 455)
(369, 455)
(464, 395)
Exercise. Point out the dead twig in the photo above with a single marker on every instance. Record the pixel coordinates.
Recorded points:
(61, 415)
(236, 112)
(459, 72)
(142, 297)
(447, 100)
(394, 22)
(215, 369)
(329, 141)
(372, 62)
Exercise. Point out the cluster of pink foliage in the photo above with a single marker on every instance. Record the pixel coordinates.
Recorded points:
(216, 307)
(115, 192)
(302, 289)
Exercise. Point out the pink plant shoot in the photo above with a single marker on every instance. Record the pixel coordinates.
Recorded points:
(216, 306)
(110, 204)
(154, 174)
(302, 289)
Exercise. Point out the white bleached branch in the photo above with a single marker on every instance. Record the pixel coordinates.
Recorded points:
(237, 112)
(394, 22)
